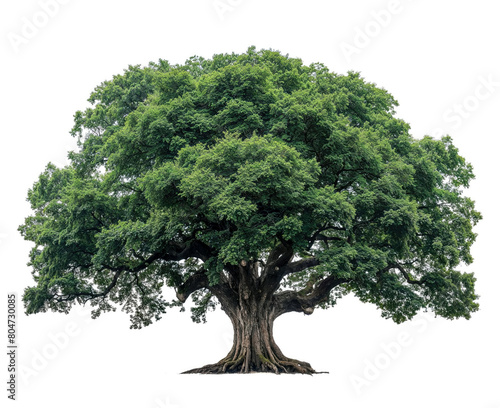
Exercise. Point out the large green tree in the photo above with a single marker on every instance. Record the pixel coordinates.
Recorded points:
(258, 183)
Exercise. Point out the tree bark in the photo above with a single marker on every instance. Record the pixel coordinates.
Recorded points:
(254, 348)
(252, 310)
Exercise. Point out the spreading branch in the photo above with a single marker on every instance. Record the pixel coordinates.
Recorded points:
(175, 253)
(278, 257)
(195, 282)
(292, 301)
(298, 266)
(406, 275)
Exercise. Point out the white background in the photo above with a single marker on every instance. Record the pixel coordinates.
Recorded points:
(433, 56)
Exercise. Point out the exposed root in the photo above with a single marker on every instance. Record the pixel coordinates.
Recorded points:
(227, 366)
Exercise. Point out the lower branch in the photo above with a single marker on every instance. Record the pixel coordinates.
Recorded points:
(291, 301)
(196, 281)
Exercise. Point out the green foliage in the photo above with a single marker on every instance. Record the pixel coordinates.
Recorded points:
(242, 153)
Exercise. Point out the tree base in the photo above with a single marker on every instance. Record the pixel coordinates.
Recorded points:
(227, 366)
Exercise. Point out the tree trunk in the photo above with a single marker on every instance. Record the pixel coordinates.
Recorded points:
(254, 348)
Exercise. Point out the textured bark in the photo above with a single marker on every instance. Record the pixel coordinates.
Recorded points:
(248, 296)
(254, 348)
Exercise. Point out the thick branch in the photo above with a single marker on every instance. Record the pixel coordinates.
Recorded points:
(275, 275)
(278, 257)
(298, 266)
(291, 301)
(196, 281)
(195, 249)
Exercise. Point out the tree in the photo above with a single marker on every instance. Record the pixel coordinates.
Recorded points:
(256, 183)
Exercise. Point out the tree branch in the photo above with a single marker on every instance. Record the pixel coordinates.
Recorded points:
(298, 266)
(319, 236)
(406, 275)
(278, 257)
(292, 301)
(90, 295)
(196, 281)
(194, 249)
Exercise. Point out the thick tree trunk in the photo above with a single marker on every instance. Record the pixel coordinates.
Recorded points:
(247, 293)
(254, 348)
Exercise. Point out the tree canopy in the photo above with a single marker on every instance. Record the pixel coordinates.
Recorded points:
(250, 168)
